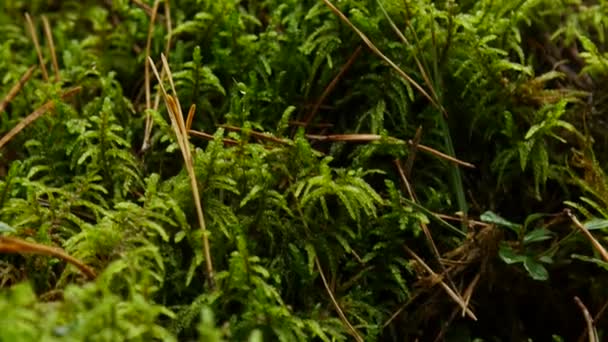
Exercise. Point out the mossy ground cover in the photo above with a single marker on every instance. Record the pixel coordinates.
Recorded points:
(303, 170)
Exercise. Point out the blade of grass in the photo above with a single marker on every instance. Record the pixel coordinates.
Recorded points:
(16, 88)
(177, 122)
(34, 116)
(34, 35)
(49, 38)
(15, 245)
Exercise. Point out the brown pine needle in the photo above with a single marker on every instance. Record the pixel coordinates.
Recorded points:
(34, 116)
(169, 26)
(32, 30)
(591, 332)
(447, 289)
(16, 88)
(353, 331)
(177, 122)
(49, 37)
(332, 85)
(263, 136)
(376, 137)
(191, 113)
(210, 137)
(15, 245)
(375, 50)
(149, 122)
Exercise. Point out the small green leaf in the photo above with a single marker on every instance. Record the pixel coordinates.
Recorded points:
(491, 217)
(596, 223)
(596, 261)
(537, 235)
(5, 228)
(535, 269)
(508, 255)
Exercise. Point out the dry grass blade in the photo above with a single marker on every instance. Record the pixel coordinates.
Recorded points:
(169, 26)
(422, 70)
(442, 155)
(177, 122)
(34, 116)
(149, 122)
(353, 331)
(468, 293)
(32, 30)
(447, 289)
(259, 135)
(210, 137)
(15, 245)
(49, 37)
(16, 88)
(331, 86)
(190, 117)
(598, 247)
(381, 55)
(592, 333)
(409, 164)
(425, 228)
(376, 137)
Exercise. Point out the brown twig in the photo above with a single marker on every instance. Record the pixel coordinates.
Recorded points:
(190, 117)
(168, 25)
(425, 228)
(409, 164)
(15, 245)
(177, 122)
(447, 289)
(210, 137)
(16, 88)
(34, 116)
(343, 317)
(30, 26)
(331, 86)
(379, 53)
(597, 317)
(592, 333)
(149, 122)
(49, 37)
(263, 136)
(376, 137)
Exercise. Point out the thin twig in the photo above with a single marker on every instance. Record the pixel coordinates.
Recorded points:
(190, 117)
(596, 318)
(34, 35)
(592, 333)
(49, 38)
(210, 137)
(376, 137)
(15, 245)
(16, 88)
(447, 289)
(425, 228)
(149, 122)
(259, 135)
(352, 329)
(332, 85)
(409, 164)
(179, 127)
(35, 115)
(468, 293)
(375, 50)
(169, 26)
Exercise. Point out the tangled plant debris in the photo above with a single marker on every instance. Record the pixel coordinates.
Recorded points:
(303, 170)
